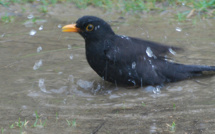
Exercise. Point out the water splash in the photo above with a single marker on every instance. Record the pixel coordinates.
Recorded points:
(124, 37)
(71, 78)
(141, 82)
(114, 96)
(97, 27)
(178, 29)
(153, 128)
(39, 49)
(157, 90)
(133, 65)
(64, 101)
(32, 32)
(41, 85)
(85, 84)
(133, 81)
(3, 35)
(129, 73)
(71, 56)
(59, 73)
(41, 27)
(30, 16)
(120, 71)
(38, 64)
(60, 90)
(150, 53)
(59, 25)
(69, 46)
(98, 88)
(172, 51)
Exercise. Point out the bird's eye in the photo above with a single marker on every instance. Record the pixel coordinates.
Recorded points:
(90, 27)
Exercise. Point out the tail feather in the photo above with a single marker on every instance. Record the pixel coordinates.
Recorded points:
(182, 72)
(199, 68)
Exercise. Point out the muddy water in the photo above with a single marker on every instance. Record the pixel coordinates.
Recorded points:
(45, 70)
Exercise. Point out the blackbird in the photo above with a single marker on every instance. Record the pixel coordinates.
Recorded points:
(127, 60)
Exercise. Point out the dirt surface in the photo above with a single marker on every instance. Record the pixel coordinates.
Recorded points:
(70, 97)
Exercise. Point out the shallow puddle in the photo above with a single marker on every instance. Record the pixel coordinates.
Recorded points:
(45, 70)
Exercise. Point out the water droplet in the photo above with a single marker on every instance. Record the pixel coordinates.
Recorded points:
(71, 78)
(178, 29)
(60, 73)
(42, 86)
(133, 81)
(69, 46)
(24, 107)
(59, 26)
(71, 56)
(123, 36)
(41, 27)
(153, 128)
(85, 84)
(97, 27)
(129, 73)
(30, 16)
(120, 71)
(39, 49)
(157, 90)
(109, 92)
(141, 82)
(60, 90)
(149, 52)
(172, 51)
(38, 64)
(3, 35)
(133, 65)
(64, 101)
(94, 91)
(32, 32)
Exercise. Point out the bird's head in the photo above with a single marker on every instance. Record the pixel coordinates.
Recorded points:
(90, 28)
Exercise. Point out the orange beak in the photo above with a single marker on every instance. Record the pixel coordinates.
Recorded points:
(70, 28)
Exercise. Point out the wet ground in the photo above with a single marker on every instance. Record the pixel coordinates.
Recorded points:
(44, 70)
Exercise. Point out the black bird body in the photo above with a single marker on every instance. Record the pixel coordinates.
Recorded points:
(129, 61)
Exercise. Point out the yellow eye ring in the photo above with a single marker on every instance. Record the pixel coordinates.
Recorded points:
(90, 27)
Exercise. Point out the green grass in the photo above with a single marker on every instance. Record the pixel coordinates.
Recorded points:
(19, 124)
(174, 106)
(143, 104)
(71, 123)
(24, 124)
(202, 8)
(38, 122)
(2, 130)
(7, 19)
(172, 127)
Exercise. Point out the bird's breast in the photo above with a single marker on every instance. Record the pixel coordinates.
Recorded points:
(96, 59)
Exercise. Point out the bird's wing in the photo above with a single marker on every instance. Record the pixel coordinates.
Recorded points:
(158, 49)
(131, 48)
